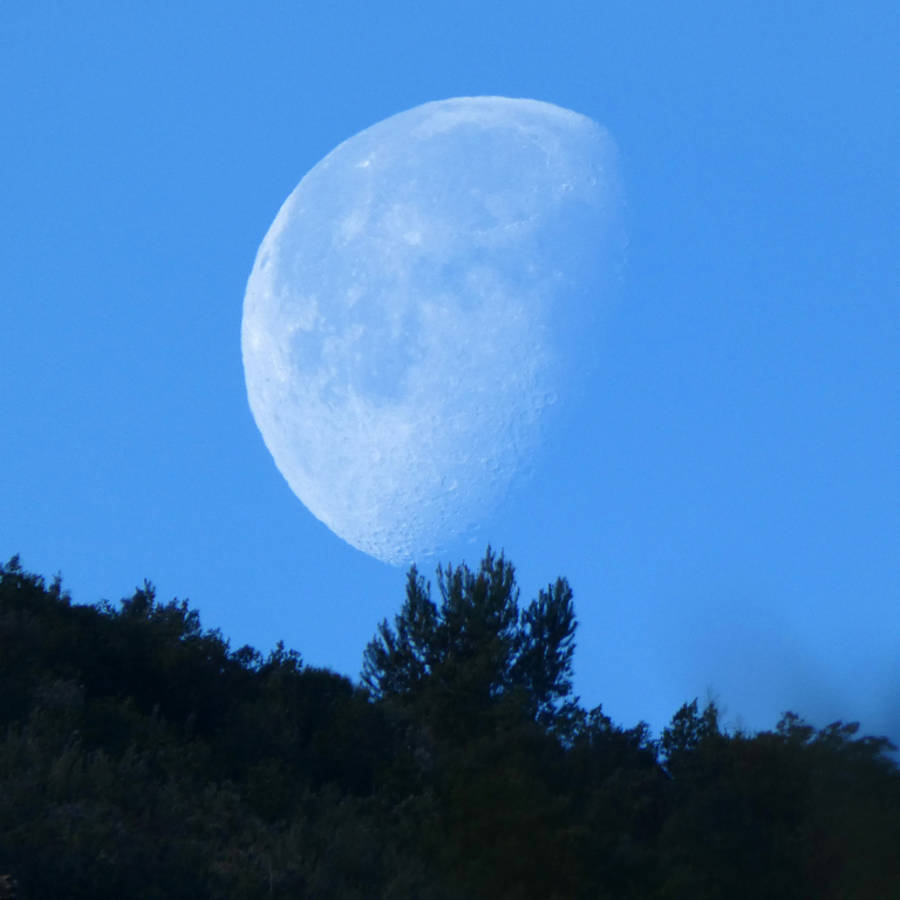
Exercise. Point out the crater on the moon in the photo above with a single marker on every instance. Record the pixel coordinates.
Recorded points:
(424, 296)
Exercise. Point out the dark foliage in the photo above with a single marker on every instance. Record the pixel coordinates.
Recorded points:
(142, 757)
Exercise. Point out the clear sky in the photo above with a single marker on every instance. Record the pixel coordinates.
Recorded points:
(734, 527)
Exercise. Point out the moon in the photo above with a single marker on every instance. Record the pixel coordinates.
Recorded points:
(423, 306)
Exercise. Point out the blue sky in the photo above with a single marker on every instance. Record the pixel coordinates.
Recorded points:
(731, 523)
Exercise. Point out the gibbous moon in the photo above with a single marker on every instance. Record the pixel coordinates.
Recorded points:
(423, 305)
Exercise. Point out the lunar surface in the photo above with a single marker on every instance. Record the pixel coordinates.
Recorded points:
(422, 306)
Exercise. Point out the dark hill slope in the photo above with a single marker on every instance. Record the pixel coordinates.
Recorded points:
(141, 757)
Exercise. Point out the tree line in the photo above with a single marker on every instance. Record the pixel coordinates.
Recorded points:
(141, 756)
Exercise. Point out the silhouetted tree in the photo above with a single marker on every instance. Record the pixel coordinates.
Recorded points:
(476, 646)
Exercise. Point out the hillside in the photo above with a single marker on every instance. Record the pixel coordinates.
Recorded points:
(142, 757)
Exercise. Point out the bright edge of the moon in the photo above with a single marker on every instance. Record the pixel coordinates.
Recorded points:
(424, 300)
